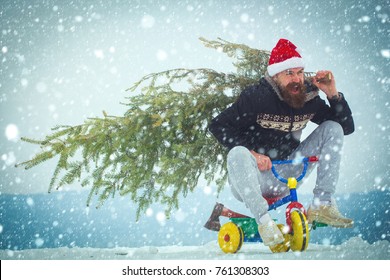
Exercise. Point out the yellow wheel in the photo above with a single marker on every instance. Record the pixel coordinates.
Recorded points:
(300, 231)
(230, 238)
(282, 247)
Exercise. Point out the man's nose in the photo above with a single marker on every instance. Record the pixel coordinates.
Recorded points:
(295, 78)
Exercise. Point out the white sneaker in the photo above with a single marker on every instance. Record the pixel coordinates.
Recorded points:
(270, 233)
(328, 214)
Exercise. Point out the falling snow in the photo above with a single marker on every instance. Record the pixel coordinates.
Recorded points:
(62, 64)
(385, 53)
(147, 21)
(12, 132)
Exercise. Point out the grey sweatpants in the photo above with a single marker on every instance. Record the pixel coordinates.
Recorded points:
(250, 185)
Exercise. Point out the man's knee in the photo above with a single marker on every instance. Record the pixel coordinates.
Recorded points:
(238, 154)
(333, 128)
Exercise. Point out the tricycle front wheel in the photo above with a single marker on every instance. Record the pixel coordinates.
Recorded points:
(300, 231)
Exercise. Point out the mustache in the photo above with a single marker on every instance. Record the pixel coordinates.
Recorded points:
(294, 100)
(294, 85)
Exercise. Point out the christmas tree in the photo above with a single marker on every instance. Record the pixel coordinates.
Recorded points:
(160, 148)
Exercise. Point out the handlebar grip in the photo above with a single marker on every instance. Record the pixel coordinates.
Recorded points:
(313, 159)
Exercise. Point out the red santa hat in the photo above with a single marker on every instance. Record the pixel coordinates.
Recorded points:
(284, 56)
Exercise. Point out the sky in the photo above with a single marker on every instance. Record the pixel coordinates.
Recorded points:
(62, 63)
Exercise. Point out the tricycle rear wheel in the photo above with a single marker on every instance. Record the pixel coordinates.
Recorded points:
(230, 238)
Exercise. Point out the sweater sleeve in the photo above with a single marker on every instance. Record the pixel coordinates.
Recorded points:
(230, 125)
(339, 111)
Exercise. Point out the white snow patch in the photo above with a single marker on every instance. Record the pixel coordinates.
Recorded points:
(225, 23)
(347, 28)
(39, 242)
(161, 55)
(161, 218)
(78, 18)
(180, 216)
(149, 212)
(9, 158)
(147, 21)
(244, 18)
(12, 132)
(41, 87)
(99, 54)
(30, 201)
(364, 19)
(353, 249)
(385, 53)
(24, 82)
(207, 190)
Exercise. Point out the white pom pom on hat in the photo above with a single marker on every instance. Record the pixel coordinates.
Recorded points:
(284, 56)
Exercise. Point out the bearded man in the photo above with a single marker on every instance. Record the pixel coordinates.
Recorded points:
(266, 123)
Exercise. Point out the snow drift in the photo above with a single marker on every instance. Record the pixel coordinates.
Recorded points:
(354, 249)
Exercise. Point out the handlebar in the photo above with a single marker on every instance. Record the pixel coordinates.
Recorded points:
(304, 160)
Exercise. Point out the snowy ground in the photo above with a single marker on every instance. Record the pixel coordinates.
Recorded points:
(354, 249)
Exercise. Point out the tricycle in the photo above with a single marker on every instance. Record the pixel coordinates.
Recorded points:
(242, 228)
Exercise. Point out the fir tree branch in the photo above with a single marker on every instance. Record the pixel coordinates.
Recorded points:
(158, 150)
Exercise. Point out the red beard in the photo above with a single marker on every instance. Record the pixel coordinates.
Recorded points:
(294, 94)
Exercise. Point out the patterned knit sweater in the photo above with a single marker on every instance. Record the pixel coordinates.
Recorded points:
(261, 121)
